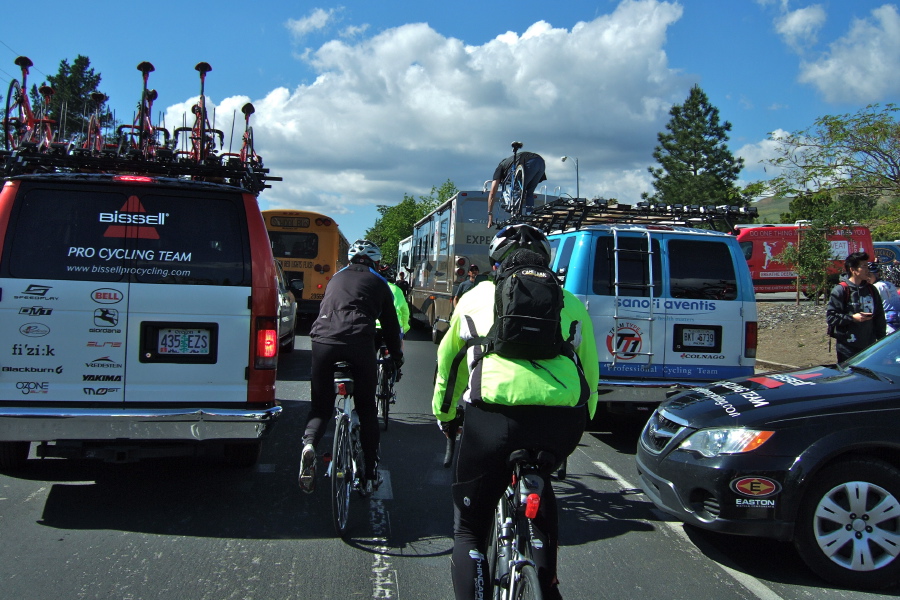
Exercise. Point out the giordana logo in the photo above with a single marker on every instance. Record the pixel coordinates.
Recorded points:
(36, 292)
(104, 362)
(106, 296)
(132, 221)
(34, 330)
(704, 356)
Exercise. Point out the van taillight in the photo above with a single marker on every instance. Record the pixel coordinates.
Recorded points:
(750, 338)
(266, 343)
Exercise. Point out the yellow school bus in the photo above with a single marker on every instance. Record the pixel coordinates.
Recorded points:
(311, 248)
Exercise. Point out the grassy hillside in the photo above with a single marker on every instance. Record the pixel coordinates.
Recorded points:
(770, 209)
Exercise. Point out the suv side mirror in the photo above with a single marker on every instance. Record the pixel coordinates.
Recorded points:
(296, 285)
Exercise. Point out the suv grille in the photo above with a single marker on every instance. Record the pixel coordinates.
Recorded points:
(661, 428)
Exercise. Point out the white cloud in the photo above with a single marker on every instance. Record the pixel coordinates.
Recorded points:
(800, 28)
(317, 19)
(862, 66)
(754, 155)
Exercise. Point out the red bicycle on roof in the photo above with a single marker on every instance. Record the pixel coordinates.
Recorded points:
(21, 125)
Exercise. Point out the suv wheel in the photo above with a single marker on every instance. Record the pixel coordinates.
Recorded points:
(13, 455)
(848, 528)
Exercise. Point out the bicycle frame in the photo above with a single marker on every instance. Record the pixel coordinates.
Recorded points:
(345, 464)
(20, 125)
(147, 134)
(202, 134)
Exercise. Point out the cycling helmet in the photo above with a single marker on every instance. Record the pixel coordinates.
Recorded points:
(874, 268)
(514, 237)
(363, 249)
(387, 272)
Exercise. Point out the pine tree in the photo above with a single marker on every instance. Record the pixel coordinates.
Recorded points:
(72, 106)
(696, 166)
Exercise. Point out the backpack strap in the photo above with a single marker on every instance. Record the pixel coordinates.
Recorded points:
(474, 340)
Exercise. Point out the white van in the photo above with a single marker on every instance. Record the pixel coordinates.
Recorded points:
(672, 306)
(138, 313)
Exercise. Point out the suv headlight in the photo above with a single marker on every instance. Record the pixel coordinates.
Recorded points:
(713, 442)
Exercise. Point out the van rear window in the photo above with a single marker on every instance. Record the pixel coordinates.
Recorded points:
(141, 235)
(628, 265)
(701, 269)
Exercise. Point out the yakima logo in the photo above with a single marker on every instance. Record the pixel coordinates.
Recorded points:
(103, 378)
(106, 296)
(104, 362)
(132, 221)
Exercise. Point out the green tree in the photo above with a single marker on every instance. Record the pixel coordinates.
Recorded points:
(829, 206)
(856, 154)
(72, 106)
(397, 222)
(696, 166)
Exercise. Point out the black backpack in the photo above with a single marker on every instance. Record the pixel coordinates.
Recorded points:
(528, 303)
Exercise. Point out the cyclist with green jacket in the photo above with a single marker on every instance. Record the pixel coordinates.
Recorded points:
(517, 404)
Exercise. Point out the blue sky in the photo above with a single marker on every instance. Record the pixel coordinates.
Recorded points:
(359, 103)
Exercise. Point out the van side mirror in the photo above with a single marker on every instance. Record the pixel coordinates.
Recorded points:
(296, 285)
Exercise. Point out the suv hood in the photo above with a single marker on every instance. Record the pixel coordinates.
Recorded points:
(773, 398)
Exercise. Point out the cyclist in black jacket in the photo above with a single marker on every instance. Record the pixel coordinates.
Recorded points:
(355, 298)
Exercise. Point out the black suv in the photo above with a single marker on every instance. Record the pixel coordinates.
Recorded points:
(811, 456)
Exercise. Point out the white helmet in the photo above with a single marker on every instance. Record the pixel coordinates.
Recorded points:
(513, 237)
(364, 248)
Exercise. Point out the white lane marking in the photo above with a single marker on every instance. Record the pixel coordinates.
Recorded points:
(753, 585)
(384, 577)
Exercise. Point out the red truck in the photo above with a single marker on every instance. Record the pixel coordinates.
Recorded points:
(763, 243)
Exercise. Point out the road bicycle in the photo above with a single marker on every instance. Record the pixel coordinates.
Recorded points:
(202, 135)
(514, 185)
(247, 156)
(20, 124)
(387, 376)
(346, 466)
(93, 140)
(513, 530)
(141, 138)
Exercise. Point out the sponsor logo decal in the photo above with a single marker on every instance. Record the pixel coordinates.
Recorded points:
(104, 344)
(756, 487)
(35, 292)
(775, 381)
(625, 342)
(704, 356)
(35, 311)
(58, 370)
(101, 378)
(33, 350)
(104, 362)
(106, 296)
(754, 503)
(132, 221)
(34, 330)
(100, 391)
(106, 317)
(33, 387)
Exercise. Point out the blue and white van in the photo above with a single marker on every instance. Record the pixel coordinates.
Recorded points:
(671, 306)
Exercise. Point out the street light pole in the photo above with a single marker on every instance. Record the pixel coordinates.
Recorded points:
(577, 182)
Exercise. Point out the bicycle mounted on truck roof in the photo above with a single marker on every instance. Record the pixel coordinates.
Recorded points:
(139, 152)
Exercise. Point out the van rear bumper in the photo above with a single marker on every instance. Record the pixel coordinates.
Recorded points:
(50, 424)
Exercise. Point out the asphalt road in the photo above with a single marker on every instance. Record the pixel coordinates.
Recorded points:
(196, 529)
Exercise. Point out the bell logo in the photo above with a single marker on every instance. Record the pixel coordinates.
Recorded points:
(132, 221)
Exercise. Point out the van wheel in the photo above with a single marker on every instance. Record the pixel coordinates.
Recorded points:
(13, 455)
(849, 522)
(242, 454)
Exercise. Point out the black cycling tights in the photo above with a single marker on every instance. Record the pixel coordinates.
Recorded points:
(490, 434)
(363, 366)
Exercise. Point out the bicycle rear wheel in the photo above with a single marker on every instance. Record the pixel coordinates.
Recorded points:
(525, 584)
(518, 192)
(14, 121)
(384, 393)
(341, 476)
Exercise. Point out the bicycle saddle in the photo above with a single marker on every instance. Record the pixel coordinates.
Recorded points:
(146, 67)
(248, 109)
(46, 90)
(98, 97)
(24, 62)
(544, 460)
(203, 67)
(517, 145)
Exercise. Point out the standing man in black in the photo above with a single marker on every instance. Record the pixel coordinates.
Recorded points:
(534, 174)
(355, 298)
